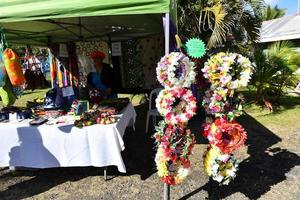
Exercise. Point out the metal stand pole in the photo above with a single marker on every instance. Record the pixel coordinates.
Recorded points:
(166, 191)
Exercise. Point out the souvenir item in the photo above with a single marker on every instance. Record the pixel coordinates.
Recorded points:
(176, 69)
(13, 67)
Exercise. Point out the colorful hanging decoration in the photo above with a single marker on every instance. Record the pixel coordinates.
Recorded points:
(227, 72)
(176, 70)
(177, 104)
(195, 48)
(13, 67)
(221, 167)
(3, 73)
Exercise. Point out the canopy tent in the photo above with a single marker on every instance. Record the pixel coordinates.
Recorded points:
(49, 21)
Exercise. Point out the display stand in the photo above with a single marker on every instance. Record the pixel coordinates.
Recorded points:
(166, 191)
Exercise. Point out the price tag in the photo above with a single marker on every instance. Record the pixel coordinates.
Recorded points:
(195, 48)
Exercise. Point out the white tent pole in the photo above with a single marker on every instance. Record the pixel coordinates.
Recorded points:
(167, 34)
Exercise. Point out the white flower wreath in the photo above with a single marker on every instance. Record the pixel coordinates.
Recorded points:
(176, 69)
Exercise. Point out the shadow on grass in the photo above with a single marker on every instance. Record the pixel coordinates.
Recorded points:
(265, 167)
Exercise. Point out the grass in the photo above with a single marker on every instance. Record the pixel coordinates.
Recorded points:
(286, 113)
(29, 95)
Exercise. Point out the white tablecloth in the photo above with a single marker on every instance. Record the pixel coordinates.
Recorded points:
(47, 146)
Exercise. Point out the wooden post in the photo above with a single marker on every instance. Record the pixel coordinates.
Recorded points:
(166, 191)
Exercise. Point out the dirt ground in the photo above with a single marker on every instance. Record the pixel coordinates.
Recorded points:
(269, 169)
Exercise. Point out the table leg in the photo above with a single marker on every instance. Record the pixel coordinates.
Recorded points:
(105, 173)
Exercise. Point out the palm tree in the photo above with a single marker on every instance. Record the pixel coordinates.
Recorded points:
(218, 22)
(275, 69)
(273, 13)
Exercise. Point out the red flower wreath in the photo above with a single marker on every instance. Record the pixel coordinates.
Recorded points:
(227, 136)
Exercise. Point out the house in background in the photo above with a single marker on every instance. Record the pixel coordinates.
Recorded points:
(280, 29)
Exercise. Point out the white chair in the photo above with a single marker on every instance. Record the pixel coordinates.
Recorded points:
(152, 112)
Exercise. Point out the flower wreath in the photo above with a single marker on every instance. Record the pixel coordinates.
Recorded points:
(227, 136)
(176, 69)
(178, 105)
(222, 102)
(221, 167)
(229, 70)
(175, 144)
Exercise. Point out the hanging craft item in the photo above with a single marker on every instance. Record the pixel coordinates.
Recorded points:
(53, 68)
(13, 67)
(7, 96)
(2, 70)
(227, 136)
(176, 70)
(222, 102)
(3, 45)
(175, 144)
(178, 105)
(226, 72)
(230, 70)
(221, 167)
(195, 48)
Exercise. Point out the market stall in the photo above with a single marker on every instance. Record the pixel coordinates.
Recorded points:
(63, 144)
(56, 125)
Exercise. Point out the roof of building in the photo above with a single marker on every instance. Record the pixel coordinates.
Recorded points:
(284, 28)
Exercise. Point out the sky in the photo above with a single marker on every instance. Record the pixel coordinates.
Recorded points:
(289, 5)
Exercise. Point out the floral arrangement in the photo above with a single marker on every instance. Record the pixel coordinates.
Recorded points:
(175, 144)
(230, 70)
(221, 167)
(176, 70)
(227, 136)
(178, 105)
(95, 117)
(222, 102)
(226, 72)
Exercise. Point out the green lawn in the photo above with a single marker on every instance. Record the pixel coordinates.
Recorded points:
(286, 114)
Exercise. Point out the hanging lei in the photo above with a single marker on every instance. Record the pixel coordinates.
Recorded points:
(226, 72)
(178, 105)
(227, 136)
(230, 70)
(176, 70)
(175, 144)
(221, 167)
(222, 102)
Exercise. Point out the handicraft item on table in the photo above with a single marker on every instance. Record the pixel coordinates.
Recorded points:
(177, 105)
(227, 72)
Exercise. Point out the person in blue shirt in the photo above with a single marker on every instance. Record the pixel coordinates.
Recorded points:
(103, 77)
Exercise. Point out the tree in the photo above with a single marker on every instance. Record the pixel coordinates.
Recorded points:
(221, 23)
(273, 13)
(275, 69)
